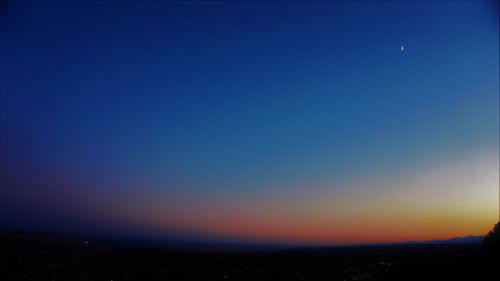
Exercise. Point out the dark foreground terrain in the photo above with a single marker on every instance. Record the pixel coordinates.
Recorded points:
(29, 258)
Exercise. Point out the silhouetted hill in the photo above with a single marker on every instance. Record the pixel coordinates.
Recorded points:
(491, 242)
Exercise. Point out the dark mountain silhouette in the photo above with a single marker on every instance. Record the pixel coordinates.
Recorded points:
(491, 242)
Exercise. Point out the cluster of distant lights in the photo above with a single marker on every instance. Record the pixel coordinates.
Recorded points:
(364, 276)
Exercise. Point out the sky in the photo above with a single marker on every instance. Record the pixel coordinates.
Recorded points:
(252, 122)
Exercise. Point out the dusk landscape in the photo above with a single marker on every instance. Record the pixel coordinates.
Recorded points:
(249, 140)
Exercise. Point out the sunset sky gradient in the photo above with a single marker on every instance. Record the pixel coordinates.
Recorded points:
(267, 122)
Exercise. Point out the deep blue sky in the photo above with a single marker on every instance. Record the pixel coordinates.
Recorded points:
(108, 103)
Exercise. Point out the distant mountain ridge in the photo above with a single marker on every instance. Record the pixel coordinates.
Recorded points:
(212, 246)
(471, 239)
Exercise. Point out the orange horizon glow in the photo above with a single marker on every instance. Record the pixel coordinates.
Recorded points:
(384, 212)
(431, 203)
